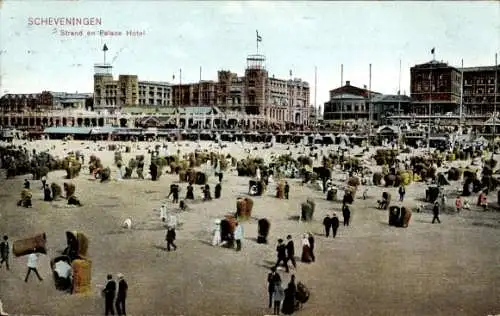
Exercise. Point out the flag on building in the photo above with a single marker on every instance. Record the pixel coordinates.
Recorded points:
(259, 38)
(433, 50)
(290, 72)
(105, 48)
(173, 77)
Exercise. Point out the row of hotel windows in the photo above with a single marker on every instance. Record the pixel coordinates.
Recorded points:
(480, 81)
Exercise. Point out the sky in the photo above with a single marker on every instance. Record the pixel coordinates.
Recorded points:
(297, 36)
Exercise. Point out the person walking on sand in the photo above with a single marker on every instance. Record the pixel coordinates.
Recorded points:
(287, 190)
(327, 223)
(335, 224)
(278, 297)
(32, 266)
(4, 252)
(272, 279)
(290, 251)
(121, 296)
(402, 193)
(435, 211)
(109, 293)
(170, 238)
(281, 252)
(216, 239)
(346, 213)
(310, 237)
(238, 235)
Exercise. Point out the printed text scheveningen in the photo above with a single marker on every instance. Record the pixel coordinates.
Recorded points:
(64, 21)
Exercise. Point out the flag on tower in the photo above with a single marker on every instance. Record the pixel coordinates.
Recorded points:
(290, 72)
(259, 38)
(433, 50)
(105, 48)
(173, 77)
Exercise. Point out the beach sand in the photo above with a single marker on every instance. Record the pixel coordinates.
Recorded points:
(369, 269)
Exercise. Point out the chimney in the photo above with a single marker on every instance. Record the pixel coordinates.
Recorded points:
(347, 83)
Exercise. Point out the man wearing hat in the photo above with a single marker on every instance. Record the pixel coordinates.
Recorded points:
(121, 295)
(109, 295)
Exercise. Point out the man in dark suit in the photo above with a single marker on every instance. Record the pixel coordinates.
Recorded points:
(346, 213)
(290, 251)
(109, 295)
(273, 278)
(335, 224)
(281, 250)
(121, 296)
(327, 222)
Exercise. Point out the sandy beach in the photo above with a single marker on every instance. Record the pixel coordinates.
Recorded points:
(369, 269)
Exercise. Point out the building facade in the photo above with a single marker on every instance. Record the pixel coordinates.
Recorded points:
(479, 90)
(436, 84)
(154, 93)
(386, 105)
(127, 91)
(254, 93)
(45, 101)
(348, 103)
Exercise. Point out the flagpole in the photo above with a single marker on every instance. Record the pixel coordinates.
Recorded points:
(430, 111)
(461, 95)
(199, 89)
(341, 97)
(399, 95)
(495, 104)
(315, 91)
(370, 111)
(257, 41)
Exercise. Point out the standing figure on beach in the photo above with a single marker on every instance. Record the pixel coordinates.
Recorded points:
(335, 224)
(190, 192)
(109, 293)
(402, 193)
(306, 250)
(435, 212)
(4, 252)
(327, 223)
(174, 192)
(290, 252)
(170, 238)
(218, 190)
(310, 237)
(32, 266)
(272, 279)
(287, 190)
(163, 212)
(121, 296)
(458, 204)
(216, 239)
(238, 235)
(281, 253)
(346, 213)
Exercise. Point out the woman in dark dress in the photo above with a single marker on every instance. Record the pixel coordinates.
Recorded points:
(289, 301)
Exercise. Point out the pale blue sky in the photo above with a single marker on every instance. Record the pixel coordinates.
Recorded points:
(219, 35)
